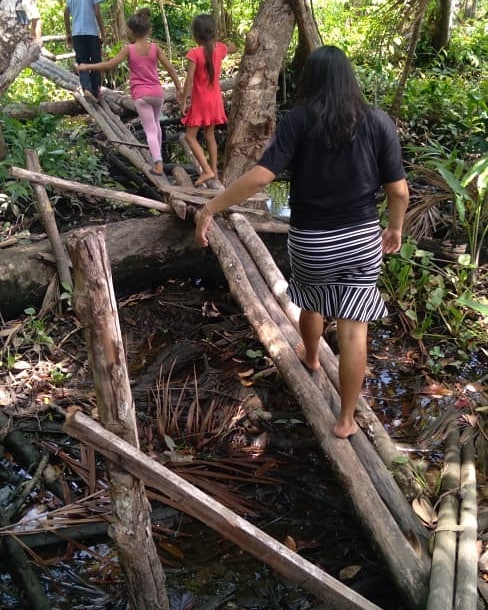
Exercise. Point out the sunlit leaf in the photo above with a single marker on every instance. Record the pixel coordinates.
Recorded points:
(425, 511)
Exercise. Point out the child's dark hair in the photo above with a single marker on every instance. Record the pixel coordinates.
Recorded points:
(203, 31)
(140, 23)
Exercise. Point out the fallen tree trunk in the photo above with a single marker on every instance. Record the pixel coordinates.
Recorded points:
(201, 506)
(142, 253)
(21, 112)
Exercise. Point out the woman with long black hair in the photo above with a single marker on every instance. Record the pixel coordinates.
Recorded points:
(340, 151)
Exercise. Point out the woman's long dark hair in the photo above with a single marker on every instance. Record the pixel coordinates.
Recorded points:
(203, 31)
(328, 85)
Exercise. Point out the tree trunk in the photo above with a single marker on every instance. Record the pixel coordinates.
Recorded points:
(414, 39)
(95, 306)
(252, 117)
(16, 49)
(118, 21)
(441, 34)
(222, 19)
(309, 34)
(3, 145)
(469, 8)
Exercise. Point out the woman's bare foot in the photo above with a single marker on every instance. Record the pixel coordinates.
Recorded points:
(204, 177)
(300, 351)
(345, 430)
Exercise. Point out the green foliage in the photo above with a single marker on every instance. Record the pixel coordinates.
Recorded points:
(430, 296)
(62, 150)
(441, 104)
(467, 184)
(31, 88)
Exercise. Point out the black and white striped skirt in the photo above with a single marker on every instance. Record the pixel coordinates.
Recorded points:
(335, 272)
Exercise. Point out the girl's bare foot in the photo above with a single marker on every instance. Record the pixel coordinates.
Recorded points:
(157, 170)
(203, 178)
(300, 351)
(345, 430)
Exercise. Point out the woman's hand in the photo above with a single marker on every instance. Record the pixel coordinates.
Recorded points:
(204, 220)
(391, 240)
(82, 67)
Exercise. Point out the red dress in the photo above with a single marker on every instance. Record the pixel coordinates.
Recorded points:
(207, 105)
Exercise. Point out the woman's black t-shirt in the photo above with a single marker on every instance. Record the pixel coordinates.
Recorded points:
(334, 187)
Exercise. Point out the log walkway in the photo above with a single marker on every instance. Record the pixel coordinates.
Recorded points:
(362, 465)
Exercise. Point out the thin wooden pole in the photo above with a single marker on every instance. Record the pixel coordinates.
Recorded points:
(49, 222)
(199, 505)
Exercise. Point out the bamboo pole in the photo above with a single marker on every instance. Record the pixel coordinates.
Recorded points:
(467, 560)
(199, 505)
(443, 571)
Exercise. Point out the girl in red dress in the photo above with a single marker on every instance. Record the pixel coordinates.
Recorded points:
(203, 84)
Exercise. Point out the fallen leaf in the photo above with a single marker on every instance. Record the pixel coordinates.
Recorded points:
(290, 543)
(349, 572)
(247, 373)
(21, 365)
(435, 389)
(425, 511)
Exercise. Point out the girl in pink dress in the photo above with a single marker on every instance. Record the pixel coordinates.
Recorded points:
(145, 87)
(203, 84)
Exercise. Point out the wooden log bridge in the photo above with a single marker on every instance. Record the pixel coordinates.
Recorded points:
(256, 285)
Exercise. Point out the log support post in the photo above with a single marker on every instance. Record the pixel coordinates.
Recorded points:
(95, 305)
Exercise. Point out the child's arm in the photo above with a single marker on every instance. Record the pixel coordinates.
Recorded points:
(171, 71)
(231, 47)
(188, 84)
(106, 65)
